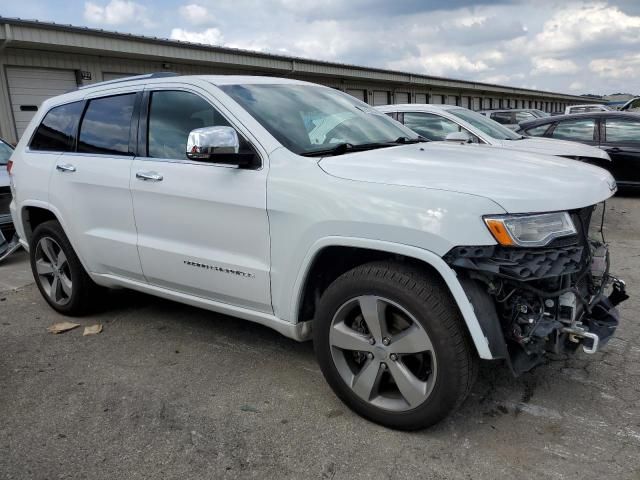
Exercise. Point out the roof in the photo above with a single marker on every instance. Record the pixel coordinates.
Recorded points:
(58, 37)
(416, 107)
(573, 116)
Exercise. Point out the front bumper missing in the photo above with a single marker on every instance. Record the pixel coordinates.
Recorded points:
(533, 301)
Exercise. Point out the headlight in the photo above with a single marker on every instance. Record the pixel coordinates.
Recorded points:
(530, 230)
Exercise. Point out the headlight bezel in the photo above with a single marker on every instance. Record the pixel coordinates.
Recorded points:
(504, 228)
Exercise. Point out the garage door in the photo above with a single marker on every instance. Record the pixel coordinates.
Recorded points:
(29, 87)
(380, 98)
(402, 97)
(359, 94)
(421, 98)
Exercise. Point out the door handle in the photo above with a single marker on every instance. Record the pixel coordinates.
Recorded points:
(149, 176)
(65, 167)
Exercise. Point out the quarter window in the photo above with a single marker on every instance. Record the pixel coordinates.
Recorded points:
(172, 115)
(106, 125)
(430, 126)
(622, 130)
(580, 130)
(57, 131)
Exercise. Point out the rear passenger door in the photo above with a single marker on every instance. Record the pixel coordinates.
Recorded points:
(621, 140)
(202, 227)
(89, 185)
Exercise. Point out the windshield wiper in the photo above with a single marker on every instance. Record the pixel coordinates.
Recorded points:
(342, 148)
(407, 140)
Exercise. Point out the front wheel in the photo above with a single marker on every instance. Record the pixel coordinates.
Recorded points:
(392, 345)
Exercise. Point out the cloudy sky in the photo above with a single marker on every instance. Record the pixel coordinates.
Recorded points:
(574, 47)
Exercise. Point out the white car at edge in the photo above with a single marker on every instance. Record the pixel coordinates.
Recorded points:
(298, 207)
(435, 122)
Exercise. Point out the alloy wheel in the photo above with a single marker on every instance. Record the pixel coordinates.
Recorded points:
(53, 271)
(383, 353)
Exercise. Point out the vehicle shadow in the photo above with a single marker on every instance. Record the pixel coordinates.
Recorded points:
(496, 392)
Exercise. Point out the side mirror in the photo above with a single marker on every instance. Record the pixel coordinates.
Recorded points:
(458, 137)
(217, 145)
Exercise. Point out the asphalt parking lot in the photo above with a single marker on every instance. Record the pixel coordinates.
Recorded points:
(169, 391)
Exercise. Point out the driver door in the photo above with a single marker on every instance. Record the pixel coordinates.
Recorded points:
(202, 227)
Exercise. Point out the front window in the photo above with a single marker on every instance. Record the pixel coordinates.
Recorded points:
(309, 119)
(430, 126)
(484, 124)
(579, 130)
(5, 153)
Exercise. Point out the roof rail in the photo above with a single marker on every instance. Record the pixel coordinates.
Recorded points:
(135, 77)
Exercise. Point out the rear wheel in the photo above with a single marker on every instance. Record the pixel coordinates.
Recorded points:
(392, 345)
(58, 273)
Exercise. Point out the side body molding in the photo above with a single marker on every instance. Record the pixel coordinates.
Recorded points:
(448, 275)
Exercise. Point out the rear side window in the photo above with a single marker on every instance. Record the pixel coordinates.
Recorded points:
(106, 125)
(579, 130)
(430, 126)
(57, 131)
(622, 130)
(538, 131)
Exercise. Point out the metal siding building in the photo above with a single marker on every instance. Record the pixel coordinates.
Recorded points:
(39, 60)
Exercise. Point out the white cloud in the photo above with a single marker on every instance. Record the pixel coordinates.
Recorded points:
(117, 12)
(625, 67)
(210, 36)
(575, 27)
(576, 86)
(553, 66)
(440, 64)
(195, 14)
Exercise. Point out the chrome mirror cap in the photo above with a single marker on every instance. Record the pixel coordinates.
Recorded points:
(205, 143)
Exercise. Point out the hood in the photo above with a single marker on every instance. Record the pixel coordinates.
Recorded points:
(520, 182)
(552, 146)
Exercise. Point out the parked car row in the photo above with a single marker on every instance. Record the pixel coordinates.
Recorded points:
(617, 133)
(449, 122)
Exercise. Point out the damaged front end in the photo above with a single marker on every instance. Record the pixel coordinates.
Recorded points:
(531, 300)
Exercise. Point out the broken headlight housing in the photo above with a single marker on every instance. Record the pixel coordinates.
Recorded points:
(530, 230)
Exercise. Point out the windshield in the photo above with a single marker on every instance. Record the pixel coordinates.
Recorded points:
(488, 126)
(308, 118)
(5, 153)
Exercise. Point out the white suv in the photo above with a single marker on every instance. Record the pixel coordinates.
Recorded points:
(301, 208)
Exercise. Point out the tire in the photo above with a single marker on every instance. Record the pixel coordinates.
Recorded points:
(438, 367)
(63, 283)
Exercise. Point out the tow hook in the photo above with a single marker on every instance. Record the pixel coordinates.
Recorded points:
(576, 332)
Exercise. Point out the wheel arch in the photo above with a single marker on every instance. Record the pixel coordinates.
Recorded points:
(365, 250)
(42, 212)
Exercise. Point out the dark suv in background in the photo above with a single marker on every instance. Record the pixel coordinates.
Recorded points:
(618, 133)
